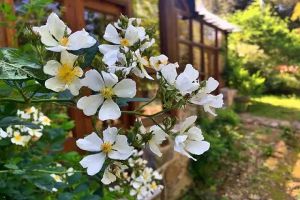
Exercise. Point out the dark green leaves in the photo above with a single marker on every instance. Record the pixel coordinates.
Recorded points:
(7, 121)
(16, 65)
(125, 101)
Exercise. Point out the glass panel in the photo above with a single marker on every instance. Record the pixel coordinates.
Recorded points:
(184, 55)
(209, 36)
(221, 39)
(196, 31)
(209, 64)
(96, 22)
(183, 28)
(197, 57)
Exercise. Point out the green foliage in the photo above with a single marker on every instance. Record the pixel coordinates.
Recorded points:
(148, 12)
(25, 171)
(222, 133)
(265, 41)
(239, 77)
(15, 65)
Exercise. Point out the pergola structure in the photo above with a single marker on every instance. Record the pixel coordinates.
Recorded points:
(191, 34)
(188, 34)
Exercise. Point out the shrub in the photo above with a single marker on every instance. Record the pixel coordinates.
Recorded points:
(222, 133)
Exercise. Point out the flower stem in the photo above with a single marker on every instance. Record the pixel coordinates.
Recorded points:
(37, 100)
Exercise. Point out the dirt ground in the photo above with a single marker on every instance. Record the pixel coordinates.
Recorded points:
(270, 168)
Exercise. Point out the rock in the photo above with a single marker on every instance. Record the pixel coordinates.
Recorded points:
(274, 124)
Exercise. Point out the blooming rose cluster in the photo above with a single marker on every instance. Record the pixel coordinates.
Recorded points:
(125, 57)
(21, 134)
(144, 181)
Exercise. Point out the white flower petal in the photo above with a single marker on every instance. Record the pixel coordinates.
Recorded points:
(121, 149)
(3, 134)
(91, 142)
(185, 85)
(211, 85)
(46, 37)
(110, 134)
(75, 86)
(154, 148)
(195, 133)
(132, 34)
(110, 79)
(93, 163)
(67, 58)
(58, 48)
(90, 104)
(111, 34)
(188, 122)
(80, 40)
(169, 73)
(109, 110)
(106, 48)
(56, 26)
(197, 147)
(55, 84)
(191, 72)
(125, 88)
(51, 67)
(93, 80)
(108, 177)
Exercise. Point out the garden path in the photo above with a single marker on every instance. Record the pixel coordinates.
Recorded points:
(270, 168)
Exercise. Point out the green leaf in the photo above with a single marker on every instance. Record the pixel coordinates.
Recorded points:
(7, 121)
(125, 101)
(16, 65)
(11, 166)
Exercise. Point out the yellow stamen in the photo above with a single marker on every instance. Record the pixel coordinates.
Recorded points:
(46, 120)
(106, 147)
(107, 92)
(29, 110)
(124, 42)
(153, 185)
(67, 73)
(18, 137)
(64, 41)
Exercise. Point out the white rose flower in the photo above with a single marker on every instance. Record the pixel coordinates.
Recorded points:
(158, 62)
(113, 171)
(70, 171)
(19, 139)
(142, 62)
(66, 75)
(112, 51)
(44, 120)
(113, 146)
(57, 178)
(35, 132)
(57, 36)
(108, 87)
(190, 139)
(186, 82)
(207, 100)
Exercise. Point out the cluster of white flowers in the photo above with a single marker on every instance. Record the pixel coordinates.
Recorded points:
(144, 181)
(125, 55)
(21, 134)
(61, 178)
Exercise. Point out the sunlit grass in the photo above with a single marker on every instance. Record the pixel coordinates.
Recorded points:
(278, 107)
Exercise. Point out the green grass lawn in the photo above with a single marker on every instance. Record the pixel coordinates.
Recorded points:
(278, 107)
